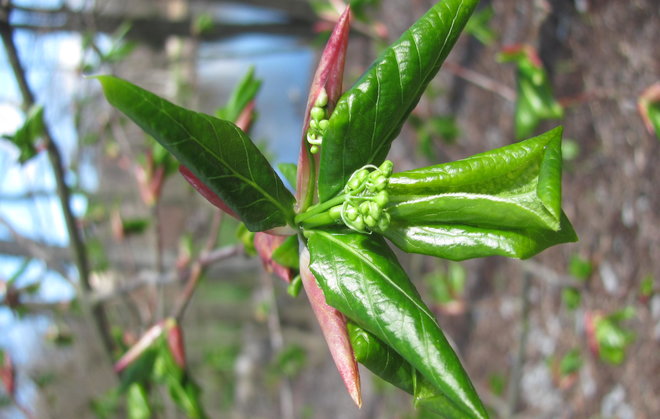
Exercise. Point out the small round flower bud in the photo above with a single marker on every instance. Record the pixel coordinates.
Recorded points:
(351, 213)
(323, 124)
(382, 199)
(364, 208)
(313, 125)
(358, 224)
(374, 210)
(380, 183)
(317, 113)
(370, 221)
(386, 168)
(314, 149)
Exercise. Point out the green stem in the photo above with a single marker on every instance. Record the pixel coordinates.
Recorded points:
(323, 219)
(317, 209)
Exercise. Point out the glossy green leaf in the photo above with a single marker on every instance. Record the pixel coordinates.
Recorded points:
(516, 186)
(370, 115)
(386, 363)
(216, 151)
(502, 202)
(360, 276)
(460, 242)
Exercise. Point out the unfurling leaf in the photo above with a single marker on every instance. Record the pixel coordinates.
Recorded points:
(328, 78)
(502, 202)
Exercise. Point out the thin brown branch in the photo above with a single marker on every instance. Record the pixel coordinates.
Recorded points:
(482, 81)
(197, 268)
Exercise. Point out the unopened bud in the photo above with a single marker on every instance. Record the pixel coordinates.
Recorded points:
(321, 99)
(370, 221)
(374, 210)
(386, 168)
(382, 199)
(351, 213)
(317, 113)
(323, 125)
(358, 224)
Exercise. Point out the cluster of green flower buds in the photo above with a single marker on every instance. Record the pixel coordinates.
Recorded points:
(363, 209)
(318, 122)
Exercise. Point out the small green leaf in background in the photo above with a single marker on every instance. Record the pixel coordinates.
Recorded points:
(570, 363)
(579, 267)
(443, 127)
(613, 336)
(203, 24)
(289, 171)
(648, 105)
(571, 297)
(447, 285)
(25, 138)
(289, 362)
(646, 287)
(217, 152)
(497, 383)
(370, 115)
(133, 226)
(287, 254)
(535, 101)
(137, 402)
(361, 277)
(244, 93)
(479, 26)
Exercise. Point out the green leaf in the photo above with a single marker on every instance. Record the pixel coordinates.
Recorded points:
(535, 101)
(479, 26)
(360, 276)
(570, 363)
(580, 268)
(287, 253)
(502, 202)
(289, 170)
(137, 402)
(571, 297)
(27, 135)
(216, 151)
(460, 242)
(370, 115)
(243, 94)
(613, 337)
(516, 186)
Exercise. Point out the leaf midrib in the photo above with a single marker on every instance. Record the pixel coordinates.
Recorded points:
(209, 120)
(377, 270)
